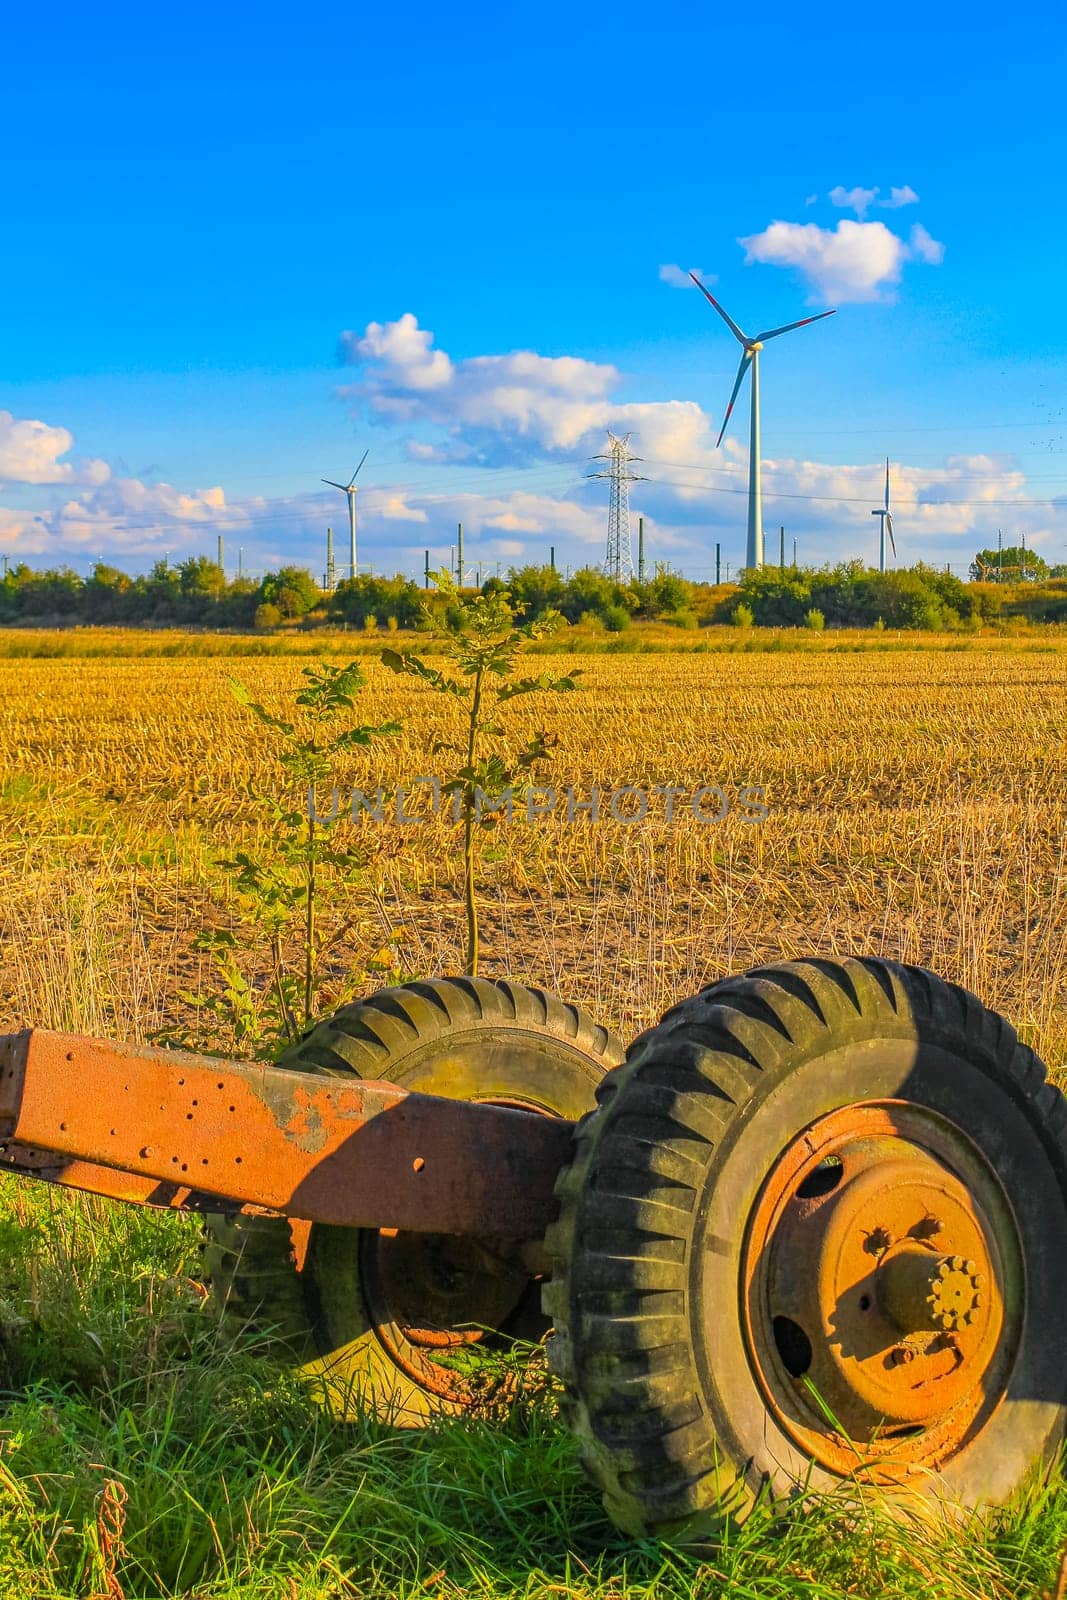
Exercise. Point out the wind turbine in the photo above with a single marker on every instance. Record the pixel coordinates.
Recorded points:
(886, 524)
(349, 489)
(750, 349)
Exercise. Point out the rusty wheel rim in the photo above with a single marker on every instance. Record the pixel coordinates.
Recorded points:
(882, 1290)
(432, 1295)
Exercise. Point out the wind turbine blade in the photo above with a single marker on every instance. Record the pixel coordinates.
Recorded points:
(355, 474)
(729, 321)
(772, 333)
(887, 483)
(333, 485)
(746, 362)
(889, 530)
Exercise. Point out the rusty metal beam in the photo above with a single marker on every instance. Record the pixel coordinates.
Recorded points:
(89, 1177)
(335, 1150)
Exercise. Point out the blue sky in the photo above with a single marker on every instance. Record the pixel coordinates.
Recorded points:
(199, 204)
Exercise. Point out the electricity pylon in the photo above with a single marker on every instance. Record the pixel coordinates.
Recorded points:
(618, 563)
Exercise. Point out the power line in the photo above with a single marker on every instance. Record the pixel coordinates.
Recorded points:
(1060, 503)
(971, 477)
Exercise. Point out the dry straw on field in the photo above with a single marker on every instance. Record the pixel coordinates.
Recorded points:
(916, 810)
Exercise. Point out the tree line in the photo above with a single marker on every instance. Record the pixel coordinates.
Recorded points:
(197, 593)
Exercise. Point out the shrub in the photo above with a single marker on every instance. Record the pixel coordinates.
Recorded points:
(616, 618)
(743, 616)
(356, 599)
(267, 615)
(534, 590)
(587, 591)
(777, 599)
(815, 621)
(291, 589)
(905, 598)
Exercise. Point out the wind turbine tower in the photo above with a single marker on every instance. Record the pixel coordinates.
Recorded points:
(619, 561)
(886, 524)
(750, 351)
(349, 489)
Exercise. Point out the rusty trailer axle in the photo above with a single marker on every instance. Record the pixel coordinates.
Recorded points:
(810, 1234)
(167, 1128)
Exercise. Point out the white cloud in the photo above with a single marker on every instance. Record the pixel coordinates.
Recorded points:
(852, 263)
(493, 409)
(925, 248)
(120, 514)
(945, 501)
(521, 408)
(857, 200)
(811, 200)
(105, 510)
(23, 533)
(397, 508)
(405, 360)
(678, 277)
(420, 450)
(855, 261)
(904, 196)
(30, 452)
(678, 432)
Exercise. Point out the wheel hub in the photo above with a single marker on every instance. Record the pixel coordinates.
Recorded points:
(879, 1261)
(429, 1295)
(444, 1291)
(918, 1289)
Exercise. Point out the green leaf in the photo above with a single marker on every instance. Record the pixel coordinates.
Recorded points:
(545, 683)
(414, 667)
(243, 698)
(363, 735)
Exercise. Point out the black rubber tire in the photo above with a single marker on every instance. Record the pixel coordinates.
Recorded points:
(462, 1038)
(647, 1251)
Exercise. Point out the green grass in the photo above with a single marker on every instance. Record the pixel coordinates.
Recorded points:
(142, 1454)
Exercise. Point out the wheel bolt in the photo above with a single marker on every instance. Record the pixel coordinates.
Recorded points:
(901, 1355)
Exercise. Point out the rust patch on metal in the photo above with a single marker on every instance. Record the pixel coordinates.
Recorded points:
(306, 1126)
(882, 1290)
(355, 1153)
